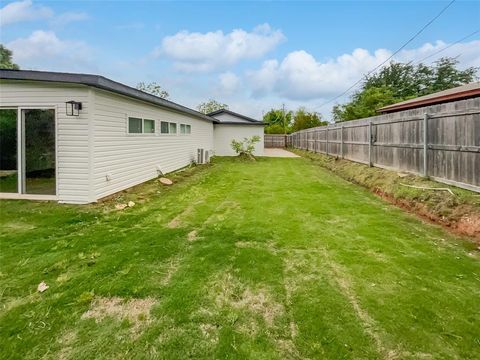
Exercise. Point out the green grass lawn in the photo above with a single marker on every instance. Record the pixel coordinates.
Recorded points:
(274, 259)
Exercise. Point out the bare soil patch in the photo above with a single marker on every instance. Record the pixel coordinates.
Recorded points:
(136, 311)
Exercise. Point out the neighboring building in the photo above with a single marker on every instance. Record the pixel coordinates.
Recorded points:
(467, 91)
(77, 138)
(235, 126)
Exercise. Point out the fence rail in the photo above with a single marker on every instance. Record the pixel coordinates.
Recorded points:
(440, 141)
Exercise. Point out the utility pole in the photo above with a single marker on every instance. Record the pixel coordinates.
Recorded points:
(283, 118)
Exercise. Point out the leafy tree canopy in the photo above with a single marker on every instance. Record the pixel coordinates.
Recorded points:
(306, 120)
(154, 89)
(6, 59)
(211, 106)
(276, 123)
(398, 82)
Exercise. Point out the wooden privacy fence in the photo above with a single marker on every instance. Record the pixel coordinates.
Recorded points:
(275, 140)
(440, 141)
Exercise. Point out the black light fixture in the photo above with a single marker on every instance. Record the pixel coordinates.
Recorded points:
(73, 108)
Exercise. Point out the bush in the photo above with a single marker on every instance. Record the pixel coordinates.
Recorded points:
(245, 148)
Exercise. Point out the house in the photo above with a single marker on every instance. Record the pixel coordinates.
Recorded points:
(77, 138)
(462, 92)
(242, 126)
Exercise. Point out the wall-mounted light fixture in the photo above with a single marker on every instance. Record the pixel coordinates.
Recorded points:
(73, 108)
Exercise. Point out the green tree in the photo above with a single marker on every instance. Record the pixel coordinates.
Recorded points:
(398, 82)
(6, 59)
(278, 122)
(363, 104)
(306, 120)
(211, 106)
(154, 89)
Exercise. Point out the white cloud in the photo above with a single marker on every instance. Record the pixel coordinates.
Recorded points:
(69, 17)
(20, 11)
(299, 76)
(229, 83)
(212, 50)
(44, 50)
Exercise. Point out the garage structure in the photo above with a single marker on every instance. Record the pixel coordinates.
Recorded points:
(231, 125)
(77, 138)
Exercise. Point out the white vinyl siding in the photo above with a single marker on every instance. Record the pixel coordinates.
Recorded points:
(225, 133)
(130, 160)
(72, 140)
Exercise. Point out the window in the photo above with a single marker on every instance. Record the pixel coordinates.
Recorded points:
(185, 129)
(168, 127)
(164, 127)
(134, 125)
(148, 126)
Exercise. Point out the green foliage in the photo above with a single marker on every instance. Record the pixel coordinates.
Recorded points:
(306, 120)
(398, 82)
(211, 106)
(245, 147)
(364, 104)
(154, 89)
(277, 123)
(6, 59)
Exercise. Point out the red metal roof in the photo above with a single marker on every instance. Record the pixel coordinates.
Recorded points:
(456, 93)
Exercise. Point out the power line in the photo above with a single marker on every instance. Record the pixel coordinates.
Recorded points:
(445, 48)
(389, 58)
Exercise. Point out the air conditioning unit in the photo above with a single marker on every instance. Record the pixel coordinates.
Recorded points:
(203, 156)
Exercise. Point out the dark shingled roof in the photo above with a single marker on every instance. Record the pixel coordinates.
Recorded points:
(99, 82)
(250, 120)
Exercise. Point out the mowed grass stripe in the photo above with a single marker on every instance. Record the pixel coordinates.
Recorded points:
(286, 260)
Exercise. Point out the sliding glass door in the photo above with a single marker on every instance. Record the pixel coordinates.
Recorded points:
(38, 151)
(8, 151)
(27, 151)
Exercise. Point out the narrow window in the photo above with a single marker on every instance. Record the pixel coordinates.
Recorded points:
(182, 128)
(173, 128)
(188, 129)
(148, 126)
(134, 125)
(164, 127)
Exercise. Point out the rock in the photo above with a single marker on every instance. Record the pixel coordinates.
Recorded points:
(166, 181)
(131, 204)
(120, 206)
(42, 287)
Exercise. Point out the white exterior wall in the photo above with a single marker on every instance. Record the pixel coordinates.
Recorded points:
(130, 159)
(72, 153)
(225, 133)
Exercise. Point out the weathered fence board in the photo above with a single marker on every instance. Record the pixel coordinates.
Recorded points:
(397, 141)
(275, 141)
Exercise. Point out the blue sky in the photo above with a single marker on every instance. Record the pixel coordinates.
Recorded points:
(250, 55)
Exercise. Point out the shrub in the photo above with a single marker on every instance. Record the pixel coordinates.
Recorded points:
(245, 148)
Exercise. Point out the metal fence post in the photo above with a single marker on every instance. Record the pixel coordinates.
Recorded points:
(425, 144)
(341, 141)
(370, 163)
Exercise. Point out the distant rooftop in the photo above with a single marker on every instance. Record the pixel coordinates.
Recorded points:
(456, 93)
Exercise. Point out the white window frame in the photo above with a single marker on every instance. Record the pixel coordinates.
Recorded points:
(142, 133)
(185, 126)
(168, 133)
(154, 126)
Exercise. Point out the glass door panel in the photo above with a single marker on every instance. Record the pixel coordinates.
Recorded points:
(8, 151)
(39, 151)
